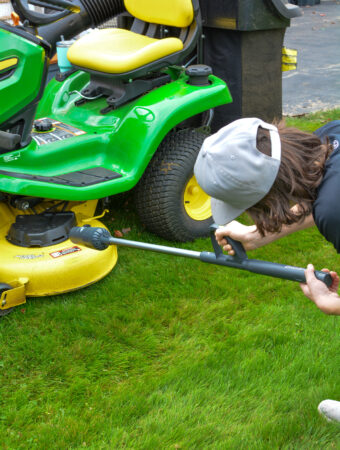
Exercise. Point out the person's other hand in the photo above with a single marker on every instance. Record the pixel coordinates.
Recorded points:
(325, 298)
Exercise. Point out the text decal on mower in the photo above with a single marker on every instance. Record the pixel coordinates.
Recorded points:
(65, 251)
(59, 132)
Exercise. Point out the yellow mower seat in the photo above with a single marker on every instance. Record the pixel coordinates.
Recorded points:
(116, 50)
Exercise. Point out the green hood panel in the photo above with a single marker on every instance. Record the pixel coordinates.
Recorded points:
(122, 141)
(20, 83)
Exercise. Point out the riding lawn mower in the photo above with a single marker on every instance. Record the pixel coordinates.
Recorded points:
(131, 113)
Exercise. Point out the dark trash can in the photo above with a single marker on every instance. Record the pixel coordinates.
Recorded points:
(243, 45)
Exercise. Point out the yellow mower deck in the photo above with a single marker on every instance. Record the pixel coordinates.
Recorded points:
(50, 270)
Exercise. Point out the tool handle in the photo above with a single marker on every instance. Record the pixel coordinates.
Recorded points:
(325, 277)
(238, 248)
(100, 238)
(285, 272)
(240, 252)
(241, 261)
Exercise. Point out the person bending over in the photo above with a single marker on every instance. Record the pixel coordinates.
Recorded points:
(286, 180)
(264, 169)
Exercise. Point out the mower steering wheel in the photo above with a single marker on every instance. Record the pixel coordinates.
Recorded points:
(63, 8)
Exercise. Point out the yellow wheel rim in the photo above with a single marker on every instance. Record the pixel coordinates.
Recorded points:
(196, 201)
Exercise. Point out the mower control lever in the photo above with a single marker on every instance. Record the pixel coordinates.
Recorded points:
(100, 239)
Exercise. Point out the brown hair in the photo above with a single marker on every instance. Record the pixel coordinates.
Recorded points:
(303, 159)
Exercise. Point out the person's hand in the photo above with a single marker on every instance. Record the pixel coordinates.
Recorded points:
(247, 235)
(325, 298)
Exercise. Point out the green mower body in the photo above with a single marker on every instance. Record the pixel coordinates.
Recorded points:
(95, 147)
(119, 144)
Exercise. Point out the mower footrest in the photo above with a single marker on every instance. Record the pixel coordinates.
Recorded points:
(82, 178)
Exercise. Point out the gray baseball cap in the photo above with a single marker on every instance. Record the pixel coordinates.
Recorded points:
(233, 171)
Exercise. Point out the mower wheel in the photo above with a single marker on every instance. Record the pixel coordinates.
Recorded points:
(3, 288)
(168, 199)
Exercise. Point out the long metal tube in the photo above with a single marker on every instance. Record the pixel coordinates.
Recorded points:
(100, 239)
(155, 248)
(271, 269)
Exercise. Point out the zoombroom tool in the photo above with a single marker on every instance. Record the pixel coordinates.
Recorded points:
(100, 239)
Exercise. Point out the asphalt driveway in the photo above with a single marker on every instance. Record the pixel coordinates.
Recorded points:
(315, 85)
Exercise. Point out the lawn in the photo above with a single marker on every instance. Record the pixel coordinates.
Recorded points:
(171, 353)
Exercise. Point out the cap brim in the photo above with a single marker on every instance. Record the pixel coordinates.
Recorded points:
(224, 213)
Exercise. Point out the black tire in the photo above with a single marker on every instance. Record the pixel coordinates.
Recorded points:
(5, 287)
(159, 196)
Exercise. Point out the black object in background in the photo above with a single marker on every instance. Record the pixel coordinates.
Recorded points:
(243, 45)
(304, 2)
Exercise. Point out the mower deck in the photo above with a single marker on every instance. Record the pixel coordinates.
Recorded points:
(49, 270)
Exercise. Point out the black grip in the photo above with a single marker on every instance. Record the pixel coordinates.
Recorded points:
(238, 248)
(325, 277)
(240, 252)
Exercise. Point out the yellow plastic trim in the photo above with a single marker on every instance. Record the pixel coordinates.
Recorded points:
(89, 220)
(289, 59)
(84, 209)
(175, 13)
(226, 22)
(197, 203)
(285, 67)
(8, 64)
(289, 53)
(14, 297)
(114, 50)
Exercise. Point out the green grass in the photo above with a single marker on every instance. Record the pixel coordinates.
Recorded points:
(309, 122)
(171, 353)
